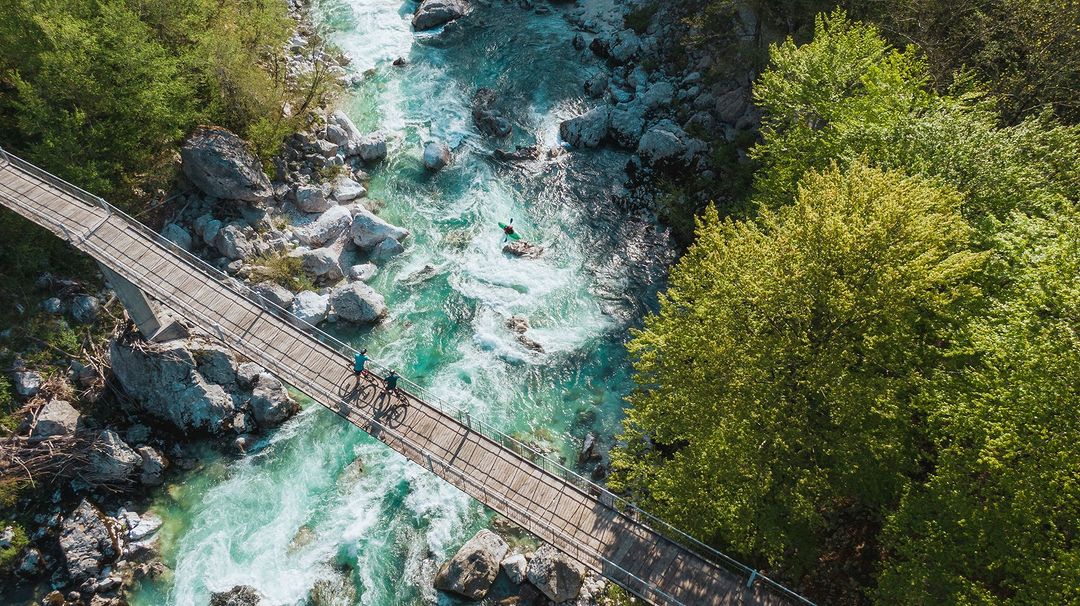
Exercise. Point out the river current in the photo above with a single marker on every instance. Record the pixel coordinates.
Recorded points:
(319, 504)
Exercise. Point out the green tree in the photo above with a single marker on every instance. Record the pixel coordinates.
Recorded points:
(779, 380)
(848, 96)
(998, 519)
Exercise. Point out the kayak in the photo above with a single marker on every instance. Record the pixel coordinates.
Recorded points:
(512, 236)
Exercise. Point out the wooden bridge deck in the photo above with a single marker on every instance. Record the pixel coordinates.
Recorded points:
(581, 521)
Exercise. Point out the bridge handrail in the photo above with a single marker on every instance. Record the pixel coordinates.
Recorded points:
(605, 496)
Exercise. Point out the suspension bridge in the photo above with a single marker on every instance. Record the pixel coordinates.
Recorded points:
(597, 528)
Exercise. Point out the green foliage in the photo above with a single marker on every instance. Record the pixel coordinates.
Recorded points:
(638, 19)
(998, 519)
(848, 96)
(778, 342)
(9, 554)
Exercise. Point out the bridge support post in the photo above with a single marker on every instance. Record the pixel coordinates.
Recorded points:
(141, 310)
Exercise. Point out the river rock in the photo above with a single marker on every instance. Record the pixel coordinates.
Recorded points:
(347, 190)
(320, 263)
(729, 107)
(358, 302)
(211, 230)
(666, 144)
(436, 155)
(27, 382)
(596, 85)
(521, 248)
(587, 130)
(473, 568)
(111, 459)
(433, 13)
(311, 307)
(177, 235)
(372, 147)
(163, 380)
(341, 131)
(220, 164)
(326, 228)
(32, 562)
(363, 271)
(52, 305)
(85, 309)
(216, 364)
(660, 94)
(488, 119)
(271, 403)
(387, 249)
(626, 123)
(515, 567)
(56, 418)
(312, 199)
(274, 293)
(152, 470)
(232, 243)
(368, 230)
(239, 595)
(247, 373)
(555, 574)
(88, 540)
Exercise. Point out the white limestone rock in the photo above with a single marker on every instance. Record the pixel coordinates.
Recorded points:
(472, 570)
(359, 303)
(369, 230)
(220, 164)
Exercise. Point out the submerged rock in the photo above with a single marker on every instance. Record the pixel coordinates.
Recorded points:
(436, 155)
(474, 567)
(220, 164)
(433, 13)
(521, 248)
(555, 574)
(239, 595)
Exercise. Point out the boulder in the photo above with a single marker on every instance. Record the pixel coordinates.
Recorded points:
(387, 249)
(311, 307)
(436, 155)
(515, 567)
(357, 302)
(363, 271)
(326, 228)
(730, 106)
(239, 595)
(152, 470)
(555, 574)
(624, 47)
(220, 164)
(626, 123)
(32, 562)
(312, 199)
(88, 541)
(596, 85)
(247, 373)
(433, 13)
(347, 190)
(56, 418)
(111, 459)
(146, 525)
(85, 309)
(368, 230)
(27, 382)
(660, 94)
(232, 243)
(521, 248)
(270, 402)
(216, 364)
(488, 119)
(274, 293)
(163, 380)
(211, 230)
(474, 567)
(177, 235)
(341, 131)
(320, 263)
(587, 130)
(371, 147)
(666, 144)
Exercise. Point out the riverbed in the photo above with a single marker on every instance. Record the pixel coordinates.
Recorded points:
(319, 504)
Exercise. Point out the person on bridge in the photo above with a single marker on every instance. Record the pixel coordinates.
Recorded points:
(391, 382)
(360, 362)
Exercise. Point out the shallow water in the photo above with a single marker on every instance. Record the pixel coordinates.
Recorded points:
(322, 503)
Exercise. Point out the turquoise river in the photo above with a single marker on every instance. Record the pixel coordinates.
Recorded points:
(320, 505)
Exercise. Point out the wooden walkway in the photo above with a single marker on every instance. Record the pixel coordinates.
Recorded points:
(582, 520)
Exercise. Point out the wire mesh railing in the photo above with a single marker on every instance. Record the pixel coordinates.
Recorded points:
(463, 416)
